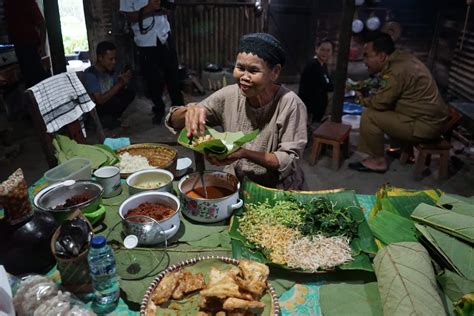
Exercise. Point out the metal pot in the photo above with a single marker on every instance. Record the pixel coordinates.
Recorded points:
(150, 175)
(50, 197)
(147, 233)
(210, 210)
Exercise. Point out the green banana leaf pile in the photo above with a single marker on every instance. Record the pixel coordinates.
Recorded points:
(390, 219)
(443, 224)
(449, 234)
(222, 145)
(406, 285)
(99, 155)
(363, 246)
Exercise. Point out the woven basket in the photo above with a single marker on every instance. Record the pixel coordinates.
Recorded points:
(74, 271)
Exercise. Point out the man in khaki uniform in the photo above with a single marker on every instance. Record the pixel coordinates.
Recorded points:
(407, 107)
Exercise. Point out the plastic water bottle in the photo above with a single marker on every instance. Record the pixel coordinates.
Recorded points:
(103, 273)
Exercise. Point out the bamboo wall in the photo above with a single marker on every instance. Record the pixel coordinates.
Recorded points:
(210, 33)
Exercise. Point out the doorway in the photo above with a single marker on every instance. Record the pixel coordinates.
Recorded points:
(74, 32)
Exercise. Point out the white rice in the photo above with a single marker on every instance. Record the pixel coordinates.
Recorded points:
(131, 163)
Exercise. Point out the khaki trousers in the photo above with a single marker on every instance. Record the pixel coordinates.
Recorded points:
(375, 124)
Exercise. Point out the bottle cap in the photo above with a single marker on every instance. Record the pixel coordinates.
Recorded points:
(98, 241)
(130, 242)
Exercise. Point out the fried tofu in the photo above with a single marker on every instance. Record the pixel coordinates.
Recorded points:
(188, 283)
(233, 303)
(166, 287)
(255, 275)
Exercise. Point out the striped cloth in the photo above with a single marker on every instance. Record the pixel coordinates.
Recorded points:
(62, 99)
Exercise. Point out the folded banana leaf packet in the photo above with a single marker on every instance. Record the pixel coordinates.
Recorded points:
(216, 143)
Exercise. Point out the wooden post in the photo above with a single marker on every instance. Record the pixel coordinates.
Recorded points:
(55, 38)
(345, 34)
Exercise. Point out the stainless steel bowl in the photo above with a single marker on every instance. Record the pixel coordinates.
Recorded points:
(50, 197)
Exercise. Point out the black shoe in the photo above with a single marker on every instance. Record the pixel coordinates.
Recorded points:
(358, 166)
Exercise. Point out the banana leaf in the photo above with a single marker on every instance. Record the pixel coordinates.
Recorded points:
(406, 281)
(459, 253)
(389, 191)
(222, 145)
(405, 205)
(253, 193)
(436, 252)
(455, 224)
(457, 203)
(350, 299)
(454, 286)
(391, 228)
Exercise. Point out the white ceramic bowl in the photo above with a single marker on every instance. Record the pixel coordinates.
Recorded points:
(150, 176)
(182, 166)
(169, 225)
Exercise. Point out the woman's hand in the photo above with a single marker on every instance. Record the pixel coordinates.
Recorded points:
(195, 119)
(239, 154)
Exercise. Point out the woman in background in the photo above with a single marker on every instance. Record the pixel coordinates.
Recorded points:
(315, 82)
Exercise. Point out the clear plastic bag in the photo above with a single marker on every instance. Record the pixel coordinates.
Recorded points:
(37, 295)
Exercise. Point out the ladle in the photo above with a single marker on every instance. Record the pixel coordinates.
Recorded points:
(200, 167)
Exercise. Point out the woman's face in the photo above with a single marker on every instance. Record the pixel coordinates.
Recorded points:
(253, 74)
(324, 52)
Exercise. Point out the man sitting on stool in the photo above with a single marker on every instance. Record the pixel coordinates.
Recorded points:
(407, 107)
(109, 91)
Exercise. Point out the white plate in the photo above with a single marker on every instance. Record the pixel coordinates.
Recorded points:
(182, 166)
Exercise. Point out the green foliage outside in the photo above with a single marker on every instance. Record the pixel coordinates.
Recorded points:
(73, 26)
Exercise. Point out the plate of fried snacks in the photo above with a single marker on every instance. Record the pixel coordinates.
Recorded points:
(146, 156)
(216, 143)
(211, 286)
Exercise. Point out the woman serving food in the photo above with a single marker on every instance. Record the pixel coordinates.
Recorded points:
(256, 101)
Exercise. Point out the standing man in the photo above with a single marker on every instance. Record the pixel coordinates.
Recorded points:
(27, 31)
(407, 107)
(156, 47)
(109, 91)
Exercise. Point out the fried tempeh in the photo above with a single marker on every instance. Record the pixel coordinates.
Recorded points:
(165, 288)
(188, 282)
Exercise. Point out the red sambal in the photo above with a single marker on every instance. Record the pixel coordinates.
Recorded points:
(153, 210)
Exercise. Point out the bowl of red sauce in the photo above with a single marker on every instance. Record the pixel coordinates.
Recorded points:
(161, 207)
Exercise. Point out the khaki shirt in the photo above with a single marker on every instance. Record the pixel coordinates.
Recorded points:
(282, 124)
(411, 91)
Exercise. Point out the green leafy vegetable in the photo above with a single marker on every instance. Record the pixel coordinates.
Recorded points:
(406, 280)
(323, 217)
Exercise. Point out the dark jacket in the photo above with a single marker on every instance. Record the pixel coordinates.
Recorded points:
(314, 87)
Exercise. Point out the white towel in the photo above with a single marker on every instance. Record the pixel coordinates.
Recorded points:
(62, 99)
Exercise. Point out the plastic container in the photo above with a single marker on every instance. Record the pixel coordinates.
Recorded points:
(76, 168)
(103, 274)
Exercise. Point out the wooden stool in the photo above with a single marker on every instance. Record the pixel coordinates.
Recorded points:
(334, 134)
(425, 151)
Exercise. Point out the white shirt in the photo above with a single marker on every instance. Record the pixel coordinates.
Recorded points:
(159, 30)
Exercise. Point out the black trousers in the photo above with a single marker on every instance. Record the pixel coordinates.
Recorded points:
(30, 64)
(159, 65)
(112, 110)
